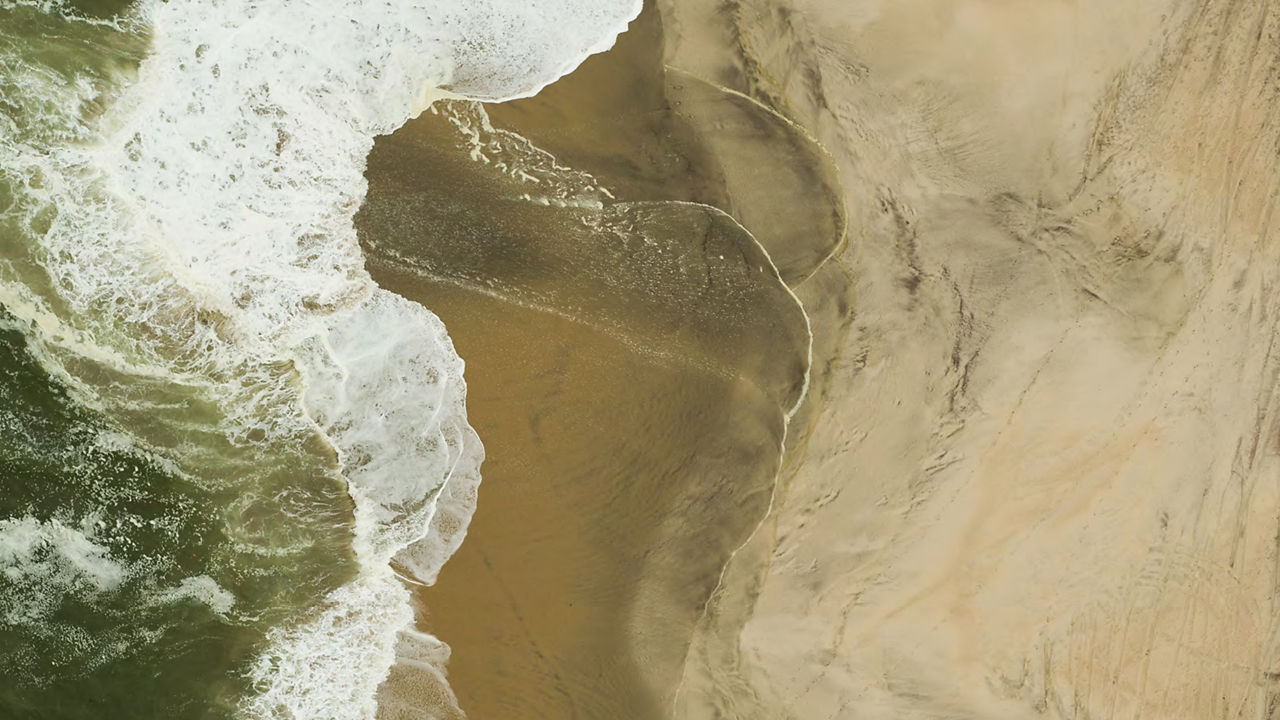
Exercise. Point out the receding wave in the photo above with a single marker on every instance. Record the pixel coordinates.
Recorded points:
(179, 184)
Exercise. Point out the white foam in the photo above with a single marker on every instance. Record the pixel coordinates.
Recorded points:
(44, 562)
(208, 232)
(202, 589)
(331, 666)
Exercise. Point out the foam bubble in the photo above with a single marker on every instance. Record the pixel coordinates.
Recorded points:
(44, 562)
(329, 667)
(202, 589)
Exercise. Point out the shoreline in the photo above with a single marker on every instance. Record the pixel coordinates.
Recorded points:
(618, 483)
(579, 581)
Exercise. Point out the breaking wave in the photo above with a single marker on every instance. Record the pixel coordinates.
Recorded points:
(191, 223)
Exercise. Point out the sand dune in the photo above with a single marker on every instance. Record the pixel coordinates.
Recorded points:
(1043, 481)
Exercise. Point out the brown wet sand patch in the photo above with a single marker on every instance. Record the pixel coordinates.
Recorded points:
(631, 357)
(614, 488)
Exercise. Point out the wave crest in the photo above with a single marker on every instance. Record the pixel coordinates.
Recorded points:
(204, 231)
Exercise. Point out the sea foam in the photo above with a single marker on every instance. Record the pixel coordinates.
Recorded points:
(204, 230)
(42, 562)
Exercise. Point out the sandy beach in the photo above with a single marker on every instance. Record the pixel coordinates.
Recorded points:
(633, 388)
(1035, 472)
(824, 360)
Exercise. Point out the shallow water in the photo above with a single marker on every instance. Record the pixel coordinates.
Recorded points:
(633, 385)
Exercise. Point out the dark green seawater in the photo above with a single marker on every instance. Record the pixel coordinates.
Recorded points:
(144, 555)
(193, 579)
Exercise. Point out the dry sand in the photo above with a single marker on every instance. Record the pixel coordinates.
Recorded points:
(1043, 480)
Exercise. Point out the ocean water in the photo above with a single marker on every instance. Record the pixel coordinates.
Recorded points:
(226, 450)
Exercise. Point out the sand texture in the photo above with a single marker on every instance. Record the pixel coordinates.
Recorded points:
(1042, 481)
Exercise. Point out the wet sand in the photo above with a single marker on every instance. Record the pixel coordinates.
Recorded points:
(615, 487)
(631, 366)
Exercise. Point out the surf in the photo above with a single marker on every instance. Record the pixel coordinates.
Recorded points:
(190, 230)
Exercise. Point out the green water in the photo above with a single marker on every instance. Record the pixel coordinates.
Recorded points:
(66, 660)
(143, 554)
(139, 650)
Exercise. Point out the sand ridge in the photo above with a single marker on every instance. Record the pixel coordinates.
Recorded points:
(1043, 480)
